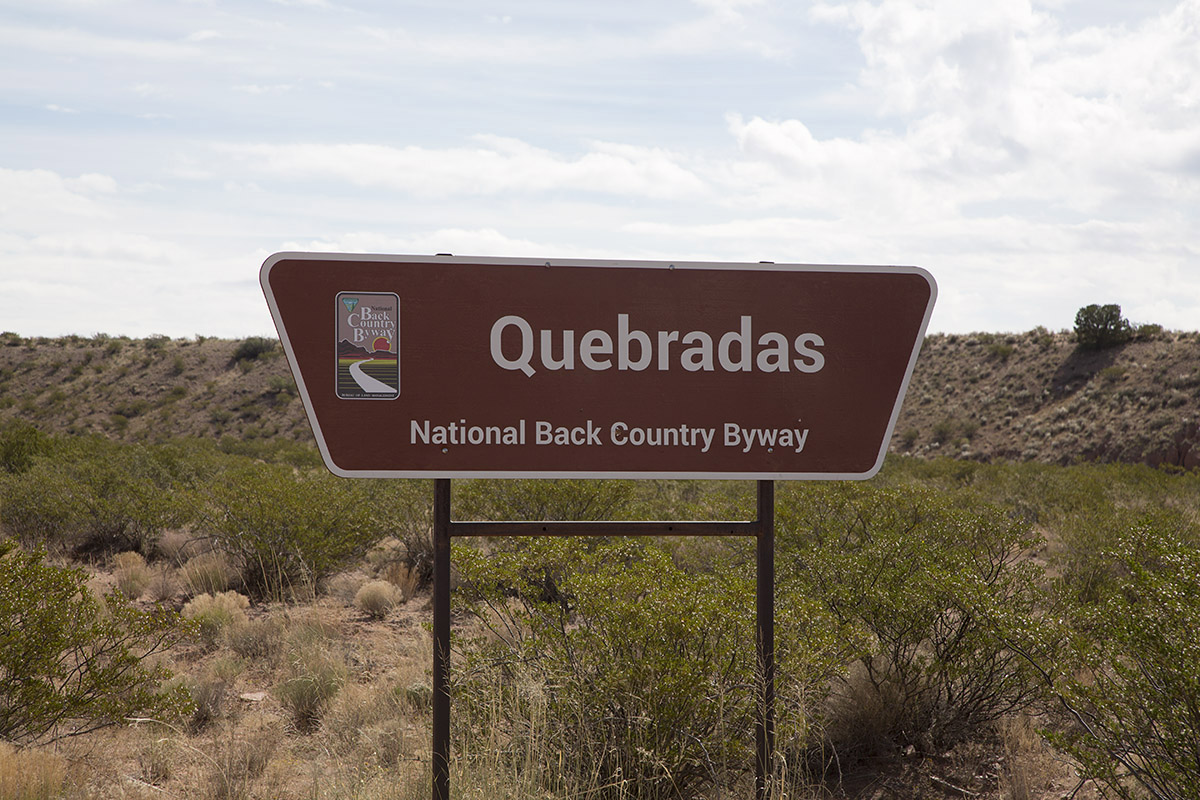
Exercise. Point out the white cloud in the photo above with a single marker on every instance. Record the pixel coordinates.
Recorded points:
(145, 89)
(1033, 162)
(498, 165)
(985, 104)
(75, 43)
(457, 241)
(254, 88)
(40, 200)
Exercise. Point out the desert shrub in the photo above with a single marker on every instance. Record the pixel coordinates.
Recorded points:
(275, 450)
(20, 443)
(163, 583)
(417, 696)
(258, 639)
(93, 494)
(1148, 332)
(404, 578)
(1000, 350)
(941, 594)
(535, 499)
(172, 546)
(70, 664)
(1113, 374)
(212, 614)
(1131, 683)
(315, 674)
(238, 764)
(345, 586)
(634, 673)
(154, 759)
(358, 712)
(132, 574)
(209, 573)
(35, 506)
(253, 347)
(282, 385)
(284, 530)
(377, 598)
(410, 508)
(208, 702)
(943, 430)
(1098, 327)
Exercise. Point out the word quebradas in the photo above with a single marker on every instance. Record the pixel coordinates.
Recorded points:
(694, 351)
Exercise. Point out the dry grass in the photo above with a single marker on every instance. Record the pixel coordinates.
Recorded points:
(1031, 769)
(175, 546)
(316, 671)
(377, 598)
(131, 573)
(367, 733)
(404, 578)
(258, 640)
(30, 774)
(209, 573)
(213, 614)
(239, 762)
(345, 585)
(164, 584)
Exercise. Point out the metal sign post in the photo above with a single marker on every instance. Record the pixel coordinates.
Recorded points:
(762, 527)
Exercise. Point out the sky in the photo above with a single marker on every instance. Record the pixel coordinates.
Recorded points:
(1035, 156)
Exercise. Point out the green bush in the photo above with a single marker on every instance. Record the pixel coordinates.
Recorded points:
(1148, 332)
(92, 494)
(285, 529)
(1000, 350)
(253, 347)
(1132, 682)
(20, 444)
(538, 500)
(70, 664)
(940, 593)
(1098, 327)
(638, 675)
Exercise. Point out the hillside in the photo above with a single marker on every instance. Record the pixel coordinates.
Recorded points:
(1028, 397)
(1037, 397)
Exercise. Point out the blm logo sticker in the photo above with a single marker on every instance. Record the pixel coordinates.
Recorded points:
(368, 345)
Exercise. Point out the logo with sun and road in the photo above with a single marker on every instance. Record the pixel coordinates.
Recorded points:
(368, 345)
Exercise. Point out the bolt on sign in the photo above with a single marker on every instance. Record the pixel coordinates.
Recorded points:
(422, 366)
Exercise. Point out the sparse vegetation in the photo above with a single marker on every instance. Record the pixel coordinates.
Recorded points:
(913, 611)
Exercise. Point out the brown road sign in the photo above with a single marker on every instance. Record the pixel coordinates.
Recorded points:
(422, 366)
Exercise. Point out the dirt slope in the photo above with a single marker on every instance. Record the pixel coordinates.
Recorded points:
(1027, 396)
(1037, 397)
